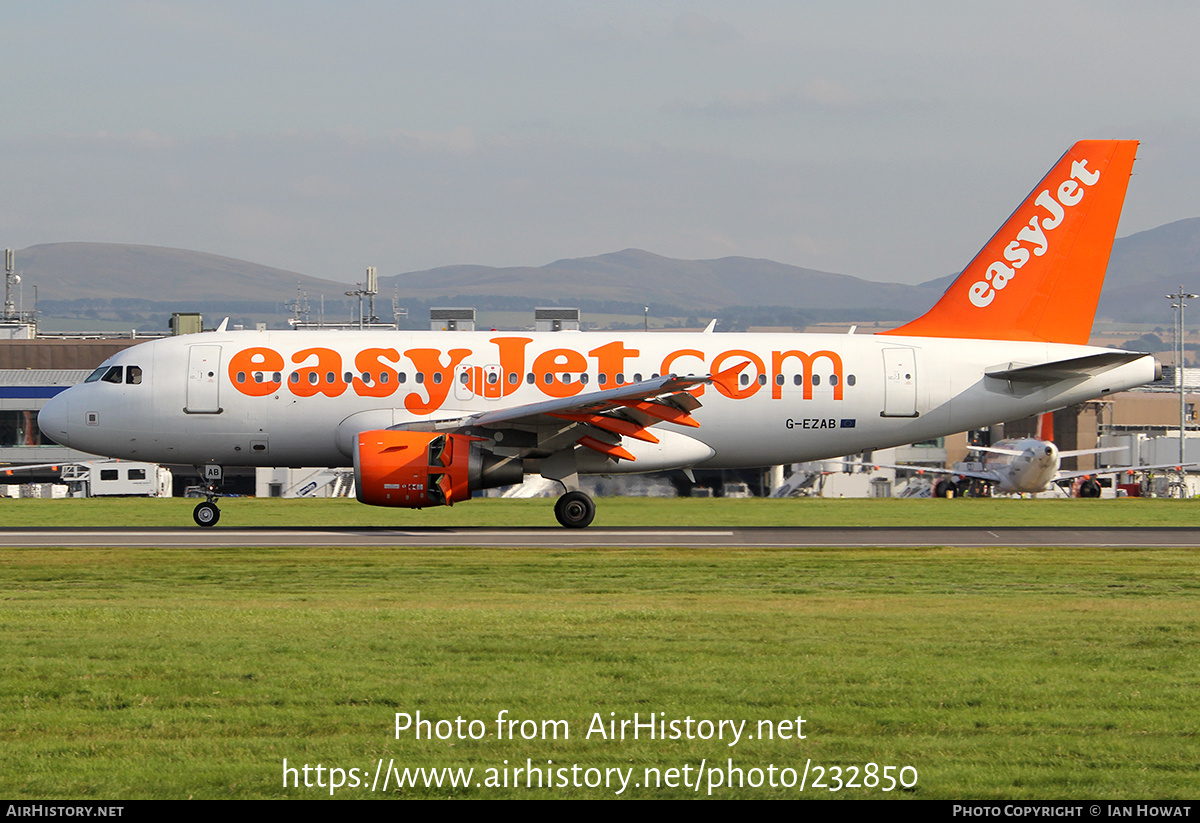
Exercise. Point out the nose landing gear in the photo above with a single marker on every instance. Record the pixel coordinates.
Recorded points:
(207, 514)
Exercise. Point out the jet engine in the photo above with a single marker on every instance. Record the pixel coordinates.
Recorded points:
(413, 469)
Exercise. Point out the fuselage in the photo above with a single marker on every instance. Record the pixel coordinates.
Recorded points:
(299, 398)
(1031, 471)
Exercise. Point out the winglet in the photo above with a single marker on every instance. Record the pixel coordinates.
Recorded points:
(727, 380)
(1039, 277)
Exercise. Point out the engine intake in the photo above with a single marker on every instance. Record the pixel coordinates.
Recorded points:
(417, 469)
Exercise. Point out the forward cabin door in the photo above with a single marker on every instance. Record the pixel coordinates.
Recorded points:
(900, 383)
(203, 384)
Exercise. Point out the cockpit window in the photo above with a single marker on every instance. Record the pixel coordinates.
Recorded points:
(113, 375)
(96, 375)
(133, 375)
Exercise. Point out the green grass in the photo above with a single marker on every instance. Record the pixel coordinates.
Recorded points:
(613, 511)
(998, 673)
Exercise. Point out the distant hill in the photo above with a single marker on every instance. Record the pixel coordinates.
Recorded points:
(86, 271)
(1147, 266)
(638, 277)
(142, 285)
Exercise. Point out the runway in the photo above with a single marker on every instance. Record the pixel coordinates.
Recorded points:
(632, 537)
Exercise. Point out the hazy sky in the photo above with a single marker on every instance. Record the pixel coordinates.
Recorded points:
(880, 139)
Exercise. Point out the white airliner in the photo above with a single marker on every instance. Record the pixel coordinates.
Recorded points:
(1028, 465)
(427, 418)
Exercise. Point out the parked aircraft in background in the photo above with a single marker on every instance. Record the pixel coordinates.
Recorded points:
(1027, 465)
(427, 418)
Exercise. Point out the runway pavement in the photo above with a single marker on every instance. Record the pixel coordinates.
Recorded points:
(558, 538)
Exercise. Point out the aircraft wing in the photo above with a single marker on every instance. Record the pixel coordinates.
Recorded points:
(1120, 469)
(990, 476)
(668, 393)
(597, 420)
(27, 467)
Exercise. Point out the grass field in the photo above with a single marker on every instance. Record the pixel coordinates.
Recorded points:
(1010, 673)
(612, 511)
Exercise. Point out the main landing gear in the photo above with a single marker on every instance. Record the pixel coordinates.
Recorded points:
(207, 514)
(575, 510)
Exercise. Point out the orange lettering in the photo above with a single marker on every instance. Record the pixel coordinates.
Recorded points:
(556, 361)
(806, 361)
(323, 378)
(670, 359)
(437, 378)
(610, 360)
(512, 361)
(383, 377)
(246, 363)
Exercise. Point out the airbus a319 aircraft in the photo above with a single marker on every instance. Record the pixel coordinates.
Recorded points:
(427, 418)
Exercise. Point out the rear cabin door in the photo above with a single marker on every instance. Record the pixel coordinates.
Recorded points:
(900, 383)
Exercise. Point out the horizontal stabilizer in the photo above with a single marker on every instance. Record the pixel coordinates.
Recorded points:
(1075, 367)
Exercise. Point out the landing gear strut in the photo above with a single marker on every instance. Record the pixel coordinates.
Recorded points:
(207, 514)
(575, 510)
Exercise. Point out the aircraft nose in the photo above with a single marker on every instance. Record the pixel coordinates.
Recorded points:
(55, 417)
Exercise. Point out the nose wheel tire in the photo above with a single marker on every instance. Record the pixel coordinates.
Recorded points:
(206, 514)
(575, 510)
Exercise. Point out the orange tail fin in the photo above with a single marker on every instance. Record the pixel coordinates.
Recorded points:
(1045, 427)
(1039, 277)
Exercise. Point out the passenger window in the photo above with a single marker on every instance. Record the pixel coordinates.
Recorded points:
(133, 375)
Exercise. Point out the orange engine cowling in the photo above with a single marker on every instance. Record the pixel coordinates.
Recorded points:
(417, 469)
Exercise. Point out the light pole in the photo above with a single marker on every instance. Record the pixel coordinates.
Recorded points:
(1179, 306)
